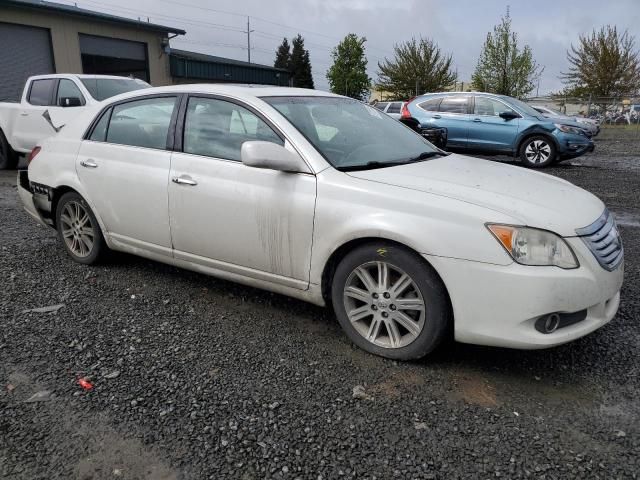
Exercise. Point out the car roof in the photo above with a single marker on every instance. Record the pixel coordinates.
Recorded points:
(79, 75)
(226, 89)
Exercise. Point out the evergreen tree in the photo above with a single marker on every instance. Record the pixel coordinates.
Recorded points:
(348, 74)
(418, 66)
(283, 55)
(504, 67)
(300, 65)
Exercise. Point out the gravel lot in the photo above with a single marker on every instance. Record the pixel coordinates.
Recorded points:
(199, 378)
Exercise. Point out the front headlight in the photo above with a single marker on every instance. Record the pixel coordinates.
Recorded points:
(531, 246)
(568, 129)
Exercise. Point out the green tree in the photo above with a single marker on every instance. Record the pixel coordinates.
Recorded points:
(283, 55)
(504, 67)
(604, 64)
(300, 65)
(348, 74)
(418, 66)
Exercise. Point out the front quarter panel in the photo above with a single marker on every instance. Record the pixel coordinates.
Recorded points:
(350, 208)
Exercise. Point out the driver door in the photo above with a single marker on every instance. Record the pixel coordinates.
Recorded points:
(225, 215)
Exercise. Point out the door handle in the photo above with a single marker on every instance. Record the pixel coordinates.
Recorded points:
(477, 119)
(24, 114)
(437, 116)
(89, 164)
(184, 180)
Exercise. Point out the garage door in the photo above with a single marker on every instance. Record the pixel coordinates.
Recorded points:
(112, 56)
(24, 51)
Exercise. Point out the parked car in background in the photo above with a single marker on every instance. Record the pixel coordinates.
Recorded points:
(48, 102)
(409, 243)
(496, 124)
(393, 109)
(397, 110)
(590, 126)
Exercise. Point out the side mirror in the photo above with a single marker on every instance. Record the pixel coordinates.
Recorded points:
(70, 102)
(509, 115)
(269, 155)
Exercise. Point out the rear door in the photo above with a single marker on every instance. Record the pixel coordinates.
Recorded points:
(124, 167)
(487, 130)
(30, 126)
(248, 221)
(454, 114)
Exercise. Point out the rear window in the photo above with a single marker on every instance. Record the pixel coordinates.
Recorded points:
(40, 92)
(395, 107)
(381, 106)
(103, 88)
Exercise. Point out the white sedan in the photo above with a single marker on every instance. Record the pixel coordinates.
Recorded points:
(328, 200)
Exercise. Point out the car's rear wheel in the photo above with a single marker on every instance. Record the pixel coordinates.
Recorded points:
(390, 302)
(79, 230)
(8, 158)
(537, 152)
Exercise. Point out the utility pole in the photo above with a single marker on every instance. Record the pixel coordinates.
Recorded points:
(248, 40)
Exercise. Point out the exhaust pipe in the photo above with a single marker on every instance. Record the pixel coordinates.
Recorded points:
(551, 323)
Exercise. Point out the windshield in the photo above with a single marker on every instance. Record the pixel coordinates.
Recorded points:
(103, 88)
(352, 135)
(523, 107)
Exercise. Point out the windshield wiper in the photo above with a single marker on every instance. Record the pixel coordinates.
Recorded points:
(366, 166)
(425, 156)
(375, 164)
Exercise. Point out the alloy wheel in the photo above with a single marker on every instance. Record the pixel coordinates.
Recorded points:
(77, 229)
(538, 151)
(384, 304)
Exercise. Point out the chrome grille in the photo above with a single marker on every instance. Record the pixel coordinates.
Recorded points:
(603, 239)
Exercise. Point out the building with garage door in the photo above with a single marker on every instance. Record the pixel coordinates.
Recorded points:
(38, 37)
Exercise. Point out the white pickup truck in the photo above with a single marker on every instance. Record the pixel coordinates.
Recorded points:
(48, 102)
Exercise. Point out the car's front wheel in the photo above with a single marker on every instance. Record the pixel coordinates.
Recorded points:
(79, 230)
(537, 152)
(390, 302)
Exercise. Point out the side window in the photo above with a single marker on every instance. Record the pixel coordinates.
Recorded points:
(40, 92)
(455, 104)
(141, 123)
(99, 133)
(489, 106)
(381, 106)
(217, 128)
(431, 105)
(394, 107)
(68, 89)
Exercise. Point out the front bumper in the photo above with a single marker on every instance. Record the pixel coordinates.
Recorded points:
(572, 146)
(499, 305)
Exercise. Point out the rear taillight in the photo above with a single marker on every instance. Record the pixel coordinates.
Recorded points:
(33, 154)
(404, 113)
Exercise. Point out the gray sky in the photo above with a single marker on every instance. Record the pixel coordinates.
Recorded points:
(458, 26)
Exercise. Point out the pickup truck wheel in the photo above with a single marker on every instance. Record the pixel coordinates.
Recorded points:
(78, 229)
(8, 158)
(390, 302)
(537, 152)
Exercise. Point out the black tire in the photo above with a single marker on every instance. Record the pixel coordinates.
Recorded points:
(98, 247)
(436, 319)
(8, 158)
(543, 150)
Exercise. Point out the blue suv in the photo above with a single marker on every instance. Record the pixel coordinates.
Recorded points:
(496, 124)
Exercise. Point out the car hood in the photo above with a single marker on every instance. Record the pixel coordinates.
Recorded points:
(531, 198)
